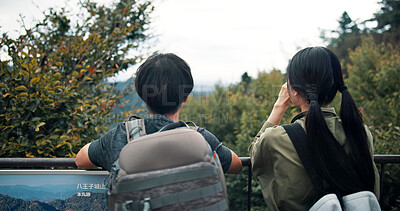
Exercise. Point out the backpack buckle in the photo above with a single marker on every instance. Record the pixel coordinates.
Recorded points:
(135, 130)
(126, 205)
(145, 204)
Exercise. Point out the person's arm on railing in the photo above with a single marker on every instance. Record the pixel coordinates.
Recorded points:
(236, 164)
(82, 158)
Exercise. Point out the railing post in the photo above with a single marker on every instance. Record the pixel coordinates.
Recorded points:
(381, 175)
(246, 161)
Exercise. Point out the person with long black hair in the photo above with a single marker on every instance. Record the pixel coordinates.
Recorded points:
(341, 147)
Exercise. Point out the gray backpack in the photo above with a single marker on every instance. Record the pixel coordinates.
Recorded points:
(173, 169)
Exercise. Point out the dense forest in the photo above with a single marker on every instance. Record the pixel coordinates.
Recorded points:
(54, 98)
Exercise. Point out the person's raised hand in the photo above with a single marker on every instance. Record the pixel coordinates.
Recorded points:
(283, 100)
(281, 105)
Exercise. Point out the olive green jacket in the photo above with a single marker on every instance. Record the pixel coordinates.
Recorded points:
(277, 166)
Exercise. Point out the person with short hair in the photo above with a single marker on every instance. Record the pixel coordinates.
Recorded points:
(341, 147)
(163, 82)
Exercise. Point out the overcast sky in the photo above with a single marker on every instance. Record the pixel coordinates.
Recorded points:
(222, 39)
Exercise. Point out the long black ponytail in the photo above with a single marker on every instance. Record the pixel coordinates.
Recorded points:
(316, 73)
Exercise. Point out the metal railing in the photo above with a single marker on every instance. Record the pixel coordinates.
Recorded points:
(70, 162)
(37, 162)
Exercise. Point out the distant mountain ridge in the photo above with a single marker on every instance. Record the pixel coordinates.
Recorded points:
(137, 102)
(73, 203)
(8, 203)
(132, 97)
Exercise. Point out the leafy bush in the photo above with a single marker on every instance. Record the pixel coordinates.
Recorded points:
(53, 92)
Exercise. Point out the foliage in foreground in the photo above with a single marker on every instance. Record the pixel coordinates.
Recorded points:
(53, 93)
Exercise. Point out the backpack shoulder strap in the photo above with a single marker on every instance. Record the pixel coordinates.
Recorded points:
(178, 124)
(299, 139)
(134, 129)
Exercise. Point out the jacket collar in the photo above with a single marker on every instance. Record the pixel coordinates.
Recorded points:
(330, 111)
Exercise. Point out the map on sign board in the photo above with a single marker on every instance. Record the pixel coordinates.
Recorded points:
(53, 190)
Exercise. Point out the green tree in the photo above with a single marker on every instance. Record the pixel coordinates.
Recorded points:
(53, 92)
(388, 17)
(388, 22)
(347, 25)
(346, 37)
(348, 34)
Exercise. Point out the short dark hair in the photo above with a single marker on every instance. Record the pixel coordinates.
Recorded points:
(163, 82)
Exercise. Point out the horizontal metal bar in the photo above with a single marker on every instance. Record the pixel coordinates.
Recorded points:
(37, 162)
(70, 162)
(52, 172)
(387, 159)
(246, 161)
